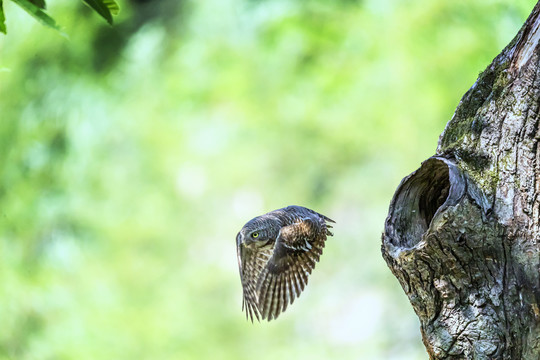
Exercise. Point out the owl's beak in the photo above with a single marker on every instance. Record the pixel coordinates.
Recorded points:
(246, 241)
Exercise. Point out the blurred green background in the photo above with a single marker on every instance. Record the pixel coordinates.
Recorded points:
(130, 156)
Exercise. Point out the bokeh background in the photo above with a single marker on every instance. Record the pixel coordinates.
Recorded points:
(130, 156)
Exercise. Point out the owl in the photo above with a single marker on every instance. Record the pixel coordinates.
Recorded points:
(276, 253)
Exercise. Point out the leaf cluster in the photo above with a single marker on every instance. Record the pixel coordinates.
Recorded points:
(37, 8)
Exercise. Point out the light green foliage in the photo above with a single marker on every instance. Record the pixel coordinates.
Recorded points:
(130, 157)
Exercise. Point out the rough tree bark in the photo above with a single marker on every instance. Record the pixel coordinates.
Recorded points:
(462, 233)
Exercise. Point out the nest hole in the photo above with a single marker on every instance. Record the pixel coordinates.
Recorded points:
(418, 199)
(434, 196)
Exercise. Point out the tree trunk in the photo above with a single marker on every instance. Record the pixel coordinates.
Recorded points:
(462, 234)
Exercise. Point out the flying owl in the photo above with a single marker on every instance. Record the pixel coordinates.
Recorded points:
(276, 253)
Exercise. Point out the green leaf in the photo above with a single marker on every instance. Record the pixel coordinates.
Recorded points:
(39, 3)
(39, 14)
(2, 18)
(105, 8)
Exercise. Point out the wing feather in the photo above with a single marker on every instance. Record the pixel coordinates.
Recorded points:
(251, 264)
(297, 249)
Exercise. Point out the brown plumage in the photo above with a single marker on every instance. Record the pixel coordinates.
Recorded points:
(276, 253)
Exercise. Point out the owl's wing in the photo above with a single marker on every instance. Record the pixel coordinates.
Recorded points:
(251, 262)
(297, 249)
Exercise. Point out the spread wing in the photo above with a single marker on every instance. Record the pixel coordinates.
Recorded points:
(251, 261)
(297, 249)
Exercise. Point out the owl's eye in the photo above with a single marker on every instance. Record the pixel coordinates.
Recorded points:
(255, 235)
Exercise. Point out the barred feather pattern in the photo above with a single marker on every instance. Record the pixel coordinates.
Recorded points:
(275, 269)
(252, 264)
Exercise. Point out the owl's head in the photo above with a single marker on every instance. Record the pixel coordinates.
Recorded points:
(259, 231)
